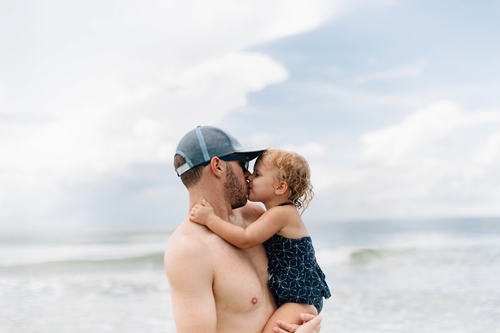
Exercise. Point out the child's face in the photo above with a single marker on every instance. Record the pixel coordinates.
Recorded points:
(262, 182)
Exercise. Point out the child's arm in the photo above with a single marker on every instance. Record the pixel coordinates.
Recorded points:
(256, 233)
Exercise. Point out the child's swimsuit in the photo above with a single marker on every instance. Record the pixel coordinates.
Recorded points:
(294, 274)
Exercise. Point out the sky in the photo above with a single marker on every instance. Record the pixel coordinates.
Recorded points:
(395, 104)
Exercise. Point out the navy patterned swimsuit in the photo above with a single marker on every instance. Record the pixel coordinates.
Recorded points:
(294, 274)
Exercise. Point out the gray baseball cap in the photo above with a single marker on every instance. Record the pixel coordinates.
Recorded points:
(199, 145)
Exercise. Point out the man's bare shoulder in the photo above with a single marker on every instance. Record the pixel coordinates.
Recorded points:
(188, 241)
(250, 212)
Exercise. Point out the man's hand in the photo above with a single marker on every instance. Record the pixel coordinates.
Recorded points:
(312, 324)
(201, 214)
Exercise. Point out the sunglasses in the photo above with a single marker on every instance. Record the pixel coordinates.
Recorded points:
(243, 161)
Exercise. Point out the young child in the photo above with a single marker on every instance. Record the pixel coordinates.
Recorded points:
(281, 181)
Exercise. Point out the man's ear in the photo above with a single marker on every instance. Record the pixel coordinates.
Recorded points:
(216, 166)
(281, 188)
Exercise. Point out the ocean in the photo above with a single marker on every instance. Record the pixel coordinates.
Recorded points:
(427, 276)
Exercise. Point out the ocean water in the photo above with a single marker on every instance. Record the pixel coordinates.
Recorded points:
(385, 276)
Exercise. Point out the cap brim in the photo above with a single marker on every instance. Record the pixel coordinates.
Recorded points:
(250, 154)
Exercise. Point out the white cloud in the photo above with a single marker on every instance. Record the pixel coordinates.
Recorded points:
(292, 18)
(427, 133)
(309, 150)
(489, 154)
(438, 161)
(230, 74)
(96, 87)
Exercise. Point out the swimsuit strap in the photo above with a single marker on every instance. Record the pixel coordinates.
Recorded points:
(286, 203)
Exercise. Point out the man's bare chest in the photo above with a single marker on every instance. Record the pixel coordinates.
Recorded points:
(240, 278)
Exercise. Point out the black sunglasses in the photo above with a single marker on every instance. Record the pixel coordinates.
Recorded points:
(243, 161)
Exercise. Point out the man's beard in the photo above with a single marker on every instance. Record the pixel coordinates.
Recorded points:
(236, 192)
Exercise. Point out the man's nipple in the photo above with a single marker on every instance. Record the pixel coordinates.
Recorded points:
(255, 300)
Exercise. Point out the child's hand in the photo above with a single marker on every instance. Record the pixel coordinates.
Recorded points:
(201, 213)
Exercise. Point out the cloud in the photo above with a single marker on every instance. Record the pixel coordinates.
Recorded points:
(432, 132)
(310, 150)
(438, 161)
(96, 87)
(489, 154)
(231, 74)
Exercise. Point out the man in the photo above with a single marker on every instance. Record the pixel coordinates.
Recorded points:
(216, 287)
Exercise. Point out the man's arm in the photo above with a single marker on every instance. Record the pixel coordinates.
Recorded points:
(190, 277)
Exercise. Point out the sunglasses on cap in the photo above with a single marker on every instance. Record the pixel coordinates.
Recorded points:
(243, 161)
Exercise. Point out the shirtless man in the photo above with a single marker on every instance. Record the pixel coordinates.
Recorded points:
(216, 287)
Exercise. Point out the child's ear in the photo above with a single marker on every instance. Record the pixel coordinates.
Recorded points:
(281, 188)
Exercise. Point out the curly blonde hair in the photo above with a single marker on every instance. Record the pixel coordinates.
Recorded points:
(293, 169)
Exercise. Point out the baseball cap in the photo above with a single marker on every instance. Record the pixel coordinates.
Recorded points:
(199, 145)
